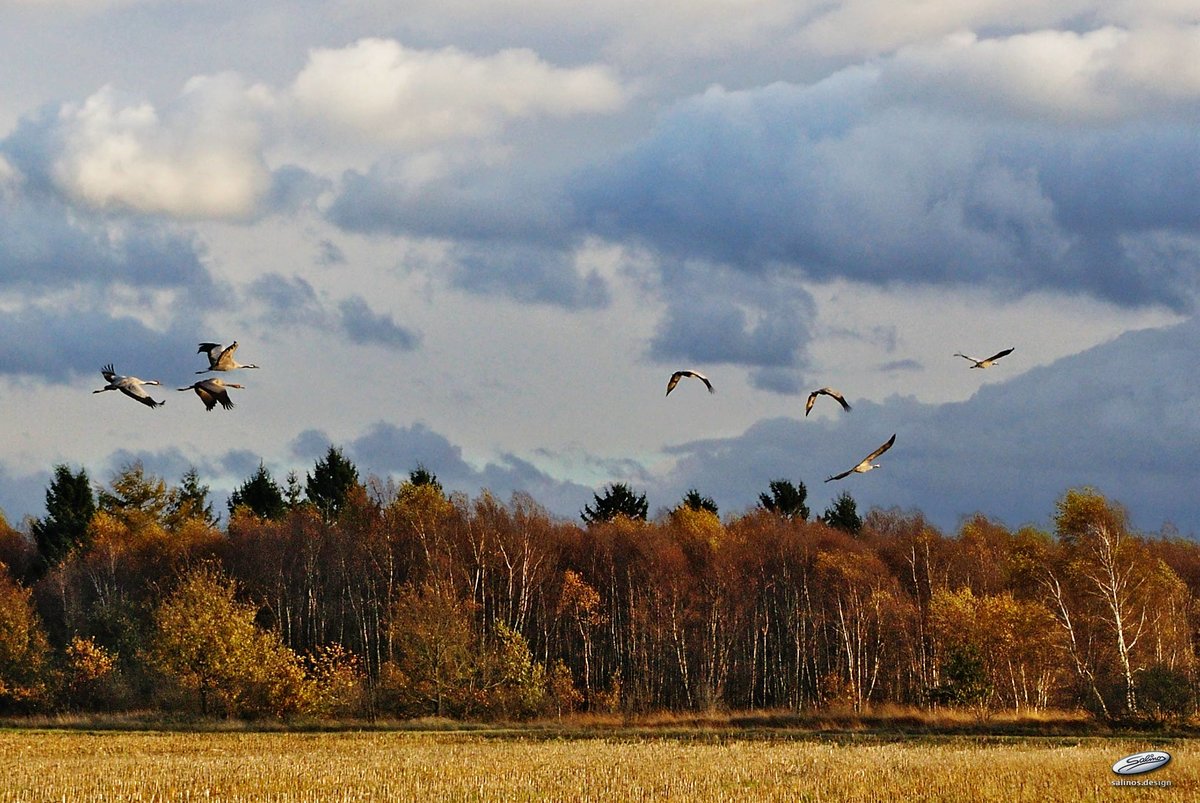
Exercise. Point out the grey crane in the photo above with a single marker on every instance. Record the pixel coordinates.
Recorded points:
(988, 362)
(865, 465)
(831, 393)
(213, 390)
(131, 386)
(221, 359)
(675, 377)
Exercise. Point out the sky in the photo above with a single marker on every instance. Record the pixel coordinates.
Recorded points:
(480, 236)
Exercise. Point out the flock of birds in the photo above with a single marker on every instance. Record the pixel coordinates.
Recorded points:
(212, 390)
(868, 462)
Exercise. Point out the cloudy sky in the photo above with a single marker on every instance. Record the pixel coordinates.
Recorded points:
(479, 236)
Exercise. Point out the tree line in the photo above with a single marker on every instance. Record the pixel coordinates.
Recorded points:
(337, 597)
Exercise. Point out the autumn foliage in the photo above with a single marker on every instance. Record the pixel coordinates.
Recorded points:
(399, 600)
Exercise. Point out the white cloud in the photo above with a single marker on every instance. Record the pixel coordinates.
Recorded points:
(381, 91)
(1105, 74)
(630, 31)
(875, 27)
(199, 159)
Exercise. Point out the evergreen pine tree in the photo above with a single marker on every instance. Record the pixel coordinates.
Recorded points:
(190, 501)
(330, 482)
(260, 494)
(694, 500)
(618, 500)
(786, 499)
(842, 513)
(69, 508)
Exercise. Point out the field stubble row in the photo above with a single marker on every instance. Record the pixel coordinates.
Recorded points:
(242, 766)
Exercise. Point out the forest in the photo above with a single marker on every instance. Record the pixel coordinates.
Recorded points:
(329, 596)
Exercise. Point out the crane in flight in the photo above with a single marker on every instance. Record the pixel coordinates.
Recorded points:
(831, 393)
(675, 377)
(131, 386)
(865, 464)
(221, 359)
(213, 390)
(989, 362)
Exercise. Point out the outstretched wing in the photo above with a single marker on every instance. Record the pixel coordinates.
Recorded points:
(108, 373)
(965, 357)
(881, 449)
(206, 396)
(995, 357)
(675, 377)
(226, 357)
(212, 393)
(213, 352)
(136, 392)
(132, 387)
(843, 475)
(833, 394)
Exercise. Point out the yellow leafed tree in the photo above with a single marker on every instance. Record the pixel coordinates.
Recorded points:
(207, 642)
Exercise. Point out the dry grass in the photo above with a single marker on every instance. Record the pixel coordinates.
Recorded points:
(243, 766)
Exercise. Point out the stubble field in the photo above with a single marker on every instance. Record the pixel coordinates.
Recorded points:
(242, 766)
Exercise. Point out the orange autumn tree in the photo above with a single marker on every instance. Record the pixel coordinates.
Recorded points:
(24, 649)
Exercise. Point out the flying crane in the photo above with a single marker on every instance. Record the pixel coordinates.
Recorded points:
(213, 390)
(221, 359)
(988, 362)
(675, 377)
(865, 465)
(131, 386)
(831, 393)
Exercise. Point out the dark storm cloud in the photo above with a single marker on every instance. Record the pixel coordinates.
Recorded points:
(484, 206)
(287, 299)
(778, 380)
(834, 181)
(311, 444)
(294, 188)
(238, 462)
(720, 330)
(365, 327)
(23, 495)
(530, 274)
(389, 449)
(292, 300)
(510, 236)
(715, 315)
(75, 341)
(45, 244)
(1076, 420)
